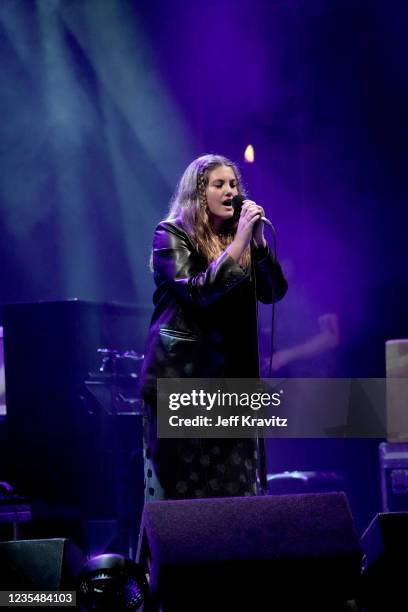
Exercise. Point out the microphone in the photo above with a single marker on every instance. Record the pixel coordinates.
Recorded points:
(237, 202)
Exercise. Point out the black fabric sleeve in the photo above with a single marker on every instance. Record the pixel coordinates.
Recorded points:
(271, 285)
(175, 263)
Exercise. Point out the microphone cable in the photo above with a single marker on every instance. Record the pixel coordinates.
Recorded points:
(263, 479)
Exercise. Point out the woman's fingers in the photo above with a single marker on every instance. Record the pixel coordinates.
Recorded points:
(252, 214)
(249, 207)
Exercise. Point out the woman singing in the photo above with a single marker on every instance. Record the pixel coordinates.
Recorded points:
(204, 323)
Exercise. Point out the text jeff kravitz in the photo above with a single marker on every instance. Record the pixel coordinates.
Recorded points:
(231, 421)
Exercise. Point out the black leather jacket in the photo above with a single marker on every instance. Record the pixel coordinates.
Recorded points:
(205, 317)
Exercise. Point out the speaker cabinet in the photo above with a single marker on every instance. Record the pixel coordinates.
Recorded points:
(40, 565)
(250, 553)
(384, 544)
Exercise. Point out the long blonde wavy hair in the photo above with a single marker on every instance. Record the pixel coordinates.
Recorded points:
(189, 204)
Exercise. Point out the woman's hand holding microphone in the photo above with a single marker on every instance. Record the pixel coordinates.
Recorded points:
(249, 226)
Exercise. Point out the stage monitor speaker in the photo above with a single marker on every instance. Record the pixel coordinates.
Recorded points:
(384, 544)
(250, 553)
(40, 565)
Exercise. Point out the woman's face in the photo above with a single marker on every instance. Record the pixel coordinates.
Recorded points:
(222, 187)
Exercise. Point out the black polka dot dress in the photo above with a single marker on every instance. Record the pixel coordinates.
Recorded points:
(201, 468)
